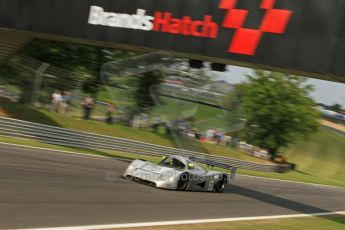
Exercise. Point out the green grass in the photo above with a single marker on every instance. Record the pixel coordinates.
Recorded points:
(307, 223)
(320, 159)
(26, 113)
(322, 155)
(206, 117)
(117, 130)
(114, 95)
(105, 153)
(230, 152)
(296, 176)
(292, 176)
(44, 117)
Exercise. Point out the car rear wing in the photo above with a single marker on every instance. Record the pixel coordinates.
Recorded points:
(211, 163)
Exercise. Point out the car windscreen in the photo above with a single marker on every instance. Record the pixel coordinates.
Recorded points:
(197, 167)
(172, 162)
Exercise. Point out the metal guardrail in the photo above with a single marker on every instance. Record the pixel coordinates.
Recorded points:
(72, 138)
(334, 119)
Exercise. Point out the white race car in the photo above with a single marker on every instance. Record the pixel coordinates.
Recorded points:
(180, 173)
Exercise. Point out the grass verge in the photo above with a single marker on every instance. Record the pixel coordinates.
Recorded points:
(291, 176)
(42, 116)
(105, 153)
(308, 223)
(320, 156)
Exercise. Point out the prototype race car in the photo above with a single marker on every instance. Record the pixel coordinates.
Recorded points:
(179, 173)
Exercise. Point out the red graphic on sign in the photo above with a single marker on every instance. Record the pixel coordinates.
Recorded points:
(164, 22)
(246, 40)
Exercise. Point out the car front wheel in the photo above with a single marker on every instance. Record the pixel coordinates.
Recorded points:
(221, 184)
(182, 183)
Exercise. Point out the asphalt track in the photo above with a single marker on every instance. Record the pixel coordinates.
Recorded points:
(40, 188)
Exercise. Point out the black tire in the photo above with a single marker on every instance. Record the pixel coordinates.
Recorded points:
(182, 183)
(220, 186)
(129, 177)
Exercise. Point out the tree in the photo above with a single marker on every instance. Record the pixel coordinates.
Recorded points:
(23, 72)
(336, 107)
(69, 62)
(143, 95)
(277, 108)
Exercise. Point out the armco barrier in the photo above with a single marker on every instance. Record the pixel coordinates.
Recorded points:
(336, 120)
(67, 137)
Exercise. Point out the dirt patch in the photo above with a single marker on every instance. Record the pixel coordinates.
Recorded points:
(333, 125)
(3, 113)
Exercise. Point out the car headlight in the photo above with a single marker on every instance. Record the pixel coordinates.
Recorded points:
(170, 179)
(130, 168)
(160, 177)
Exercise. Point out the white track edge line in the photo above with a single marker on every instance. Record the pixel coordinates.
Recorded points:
(182, 222)
(63, 151)
(91, 155)
(292, 181)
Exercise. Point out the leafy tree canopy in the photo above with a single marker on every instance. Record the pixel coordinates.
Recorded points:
(336, 107)
(277, 108)
(143, 95)
(74, 62)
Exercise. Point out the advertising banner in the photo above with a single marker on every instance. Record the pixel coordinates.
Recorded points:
(298, 35)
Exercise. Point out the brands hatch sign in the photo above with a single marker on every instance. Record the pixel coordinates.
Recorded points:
(296, 36)
(245, 40)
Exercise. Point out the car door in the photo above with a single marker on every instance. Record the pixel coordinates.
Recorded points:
(197, 178)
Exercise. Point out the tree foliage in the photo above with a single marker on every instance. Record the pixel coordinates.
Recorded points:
(83, 60)
(143, 94)
(277, 108)
(80, 61)
(336, 107)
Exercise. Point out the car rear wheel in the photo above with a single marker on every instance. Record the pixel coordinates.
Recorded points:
(129, 177)
(182, 183)
(220, 186)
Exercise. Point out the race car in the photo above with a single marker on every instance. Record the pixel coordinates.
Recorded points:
(180, 173)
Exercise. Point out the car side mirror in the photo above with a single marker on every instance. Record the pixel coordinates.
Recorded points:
(190, 166)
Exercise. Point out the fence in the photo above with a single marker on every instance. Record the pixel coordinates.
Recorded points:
(72, 138)
(337, 120)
